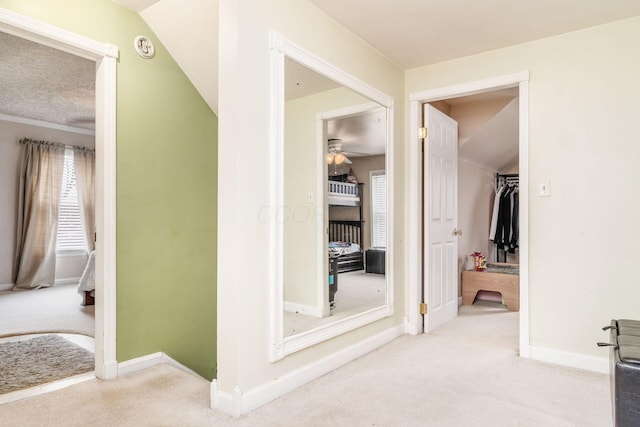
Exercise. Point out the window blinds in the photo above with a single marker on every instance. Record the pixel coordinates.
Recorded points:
(378, 209)
(70, 229)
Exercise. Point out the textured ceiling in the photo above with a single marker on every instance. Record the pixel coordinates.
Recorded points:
(45, 84)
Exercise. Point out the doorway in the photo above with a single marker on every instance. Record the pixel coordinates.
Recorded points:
(105, 57)
(519, 81)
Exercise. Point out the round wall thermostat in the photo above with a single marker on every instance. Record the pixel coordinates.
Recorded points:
(144, 47)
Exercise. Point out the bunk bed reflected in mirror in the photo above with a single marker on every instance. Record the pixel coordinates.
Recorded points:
(331, 141)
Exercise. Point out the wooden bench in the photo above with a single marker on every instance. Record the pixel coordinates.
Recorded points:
(507, 284)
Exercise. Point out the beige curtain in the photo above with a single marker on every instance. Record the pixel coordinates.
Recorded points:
(41, 166)
(84, 161)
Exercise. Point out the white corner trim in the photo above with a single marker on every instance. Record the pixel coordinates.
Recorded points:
(46, 125)
(239, 403)
(144, 362)
(410, 327)
(307, 310)
(6, 287)
(571, 360)
(109, 369)
(227, 403)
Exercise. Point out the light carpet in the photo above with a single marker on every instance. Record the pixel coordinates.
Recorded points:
(40, 360)
(466, 373)
(55, 309)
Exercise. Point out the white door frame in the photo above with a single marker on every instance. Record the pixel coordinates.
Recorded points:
(105, 56)
(414, 241)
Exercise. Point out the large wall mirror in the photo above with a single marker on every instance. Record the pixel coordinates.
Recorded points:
(331, 145)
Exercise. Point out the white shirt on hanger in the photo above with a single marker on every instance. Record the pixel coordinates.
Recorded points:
(494, 216)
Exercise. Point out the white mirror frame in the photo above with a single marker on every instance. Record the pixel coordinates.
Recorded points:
(279, 345)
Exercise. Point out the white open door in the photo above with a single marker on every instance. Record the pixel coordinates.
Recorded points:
(440, 257)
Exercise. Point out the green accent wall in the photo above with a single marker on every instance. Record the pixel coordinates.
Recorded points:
(166, 190)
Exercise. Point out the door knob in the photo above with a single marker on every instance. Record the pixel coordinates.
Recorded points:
(457, 232)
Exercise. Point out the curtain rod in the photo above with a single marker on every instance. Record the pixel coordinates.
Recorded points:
(58, 144)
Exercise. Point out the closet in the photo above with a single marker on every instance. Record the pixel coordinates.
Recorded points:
(488, 195)
(504, 232)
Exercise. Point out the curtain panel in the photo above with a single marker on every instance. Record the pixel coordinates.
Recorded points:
(85, 164)
(41, 167)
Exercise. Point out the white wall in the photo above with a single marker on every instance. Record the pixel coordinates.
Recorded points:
(245, 261)
(10, 134)
(583, 132)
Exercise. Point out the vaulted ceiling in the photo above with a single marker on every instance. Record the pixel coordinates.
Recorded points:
(410, 33)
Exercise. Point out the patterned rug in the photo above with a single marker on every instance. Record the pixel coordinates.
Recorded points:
(40, 360)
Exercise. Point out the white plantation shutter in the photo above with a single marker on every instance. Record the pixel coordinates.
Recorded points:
(378, 209)
(70, 230)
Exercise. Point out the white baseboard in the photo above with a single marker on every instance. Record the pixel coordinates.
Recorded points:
(459, 301)
(6, 287)
(238, 403)
(302, 309)
(144, 362)
(572, 360)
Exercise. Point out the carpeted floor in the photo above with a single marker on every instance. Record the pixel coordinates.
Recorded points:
(55, 309)
(40, 360)
(466, 373)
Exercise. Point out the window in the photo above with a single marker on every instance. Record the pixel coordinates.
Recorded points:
(71, 235)
(378, 209)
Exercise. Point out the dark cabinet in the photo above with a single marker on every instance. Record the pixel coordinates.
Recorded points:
(375, 259)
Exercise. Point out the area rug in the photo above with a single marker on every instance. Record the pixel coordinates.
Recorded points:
(40, 360)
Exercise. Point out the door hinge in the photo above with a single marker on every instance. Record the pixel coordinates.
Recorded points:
(422, 133)
(423, 308)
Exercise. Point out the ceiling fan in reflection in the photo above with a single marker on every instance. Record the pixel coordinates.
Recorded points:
(336, 158)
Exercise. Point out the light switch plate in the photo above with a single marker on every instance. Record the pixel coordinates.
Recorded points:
(543, 188)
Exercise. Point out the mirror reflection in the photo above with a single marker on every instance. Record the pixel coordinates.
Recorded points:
(335, 202)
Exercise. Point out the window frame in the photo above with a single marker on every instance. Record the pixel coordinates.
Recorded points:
(373, 174)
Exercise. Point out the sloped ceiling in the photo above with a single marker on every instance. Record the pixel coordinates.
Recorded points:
(411, 33)
(495, 145)
(189, 31)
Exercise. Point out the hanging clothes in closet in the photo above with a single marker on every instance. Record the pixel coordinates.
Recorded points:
(504, 231)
